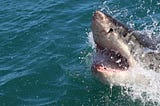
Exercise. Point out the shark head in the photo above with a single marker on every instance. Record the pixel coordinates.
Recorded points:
(115, 44)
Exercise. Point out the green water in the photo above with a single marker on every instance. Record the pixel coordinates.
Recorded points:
(45, 55)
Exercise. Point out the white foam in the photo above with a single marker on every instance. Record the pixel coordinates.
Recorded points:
(90, 40)
(146, 93)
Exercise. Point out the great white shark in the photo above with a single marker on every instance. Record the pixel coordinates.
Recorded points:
(120, 49)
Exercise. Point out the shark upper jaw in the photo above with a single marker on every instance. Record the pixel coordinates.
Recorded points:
(114, 53)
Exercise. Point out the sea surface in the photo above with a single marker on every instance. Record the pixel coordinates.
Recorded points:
(46, 51)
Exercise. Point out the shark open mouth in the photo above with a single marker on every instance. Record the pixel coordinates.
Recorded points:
(109, 60)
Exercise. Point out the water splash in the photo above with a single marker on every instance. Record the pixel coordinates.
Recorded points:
(90, 40)
(149, 93)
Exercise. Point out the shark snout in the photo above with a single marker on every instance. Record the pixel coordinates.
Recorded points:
(98, 16)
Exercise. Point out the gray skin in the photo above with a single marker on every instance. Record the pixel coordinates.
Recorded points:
(134, 48)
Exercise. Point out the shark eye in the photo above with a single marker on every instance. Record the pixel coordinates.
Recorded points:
(110, 30)
(125, 34)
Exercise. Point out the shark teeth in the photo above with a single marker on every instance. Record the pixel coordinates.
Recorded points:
(112, 59)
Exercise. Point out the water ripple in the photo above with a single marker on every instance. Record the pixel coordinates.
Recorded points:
(11, 76)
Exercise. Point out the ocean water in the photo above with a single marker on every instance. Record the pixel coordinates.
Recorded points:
(46, 52)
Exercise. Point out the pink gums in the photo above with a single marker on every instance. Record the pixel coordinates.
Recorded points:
(101, 68)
